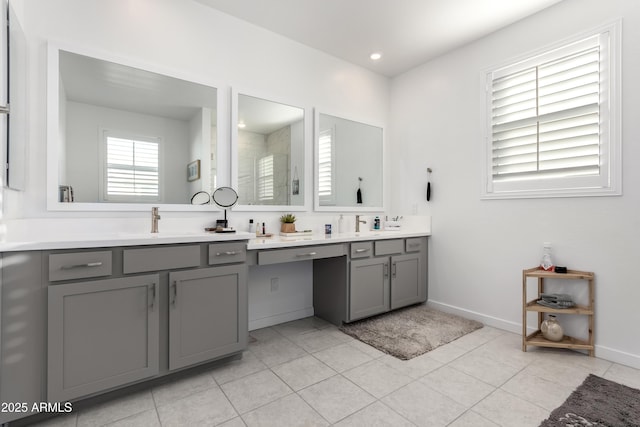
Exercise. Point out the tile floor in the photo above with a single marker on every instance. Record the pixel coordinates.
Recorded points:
(308, 373)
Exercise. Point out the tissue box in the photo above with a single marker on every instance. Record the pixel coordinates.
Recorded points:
(392, 225)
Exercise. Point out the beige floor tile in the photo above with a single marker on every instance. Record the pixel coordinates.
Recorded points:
(336, 398)
(506, 409)
(557, 373)
(276, 350)
(538, 391)
(477, 338)
(472, 419)
(415, 368)
(342, 357)
(255, 390)
(484, 368)
(319, 339)
(457, 385)
(182, 387)
(235, 369)
(116, 409)
(143, 419)
(234, 422)
(67, 420)
(296, 327)
(375, 415)
(423, 406)
(367, 349)
(290, 411)
(207, 407)
(447, 353)
(624, 375)
(303, 372)
(377, 379)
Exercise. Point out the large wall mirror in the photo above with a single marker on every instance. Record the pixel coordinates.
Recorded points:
(122, 137)
(348, 165)
(268, 154)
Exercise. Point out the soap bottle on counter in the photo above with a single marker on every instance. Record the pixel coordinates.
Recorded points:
(252, 227)
(376, 223)
(341, 224)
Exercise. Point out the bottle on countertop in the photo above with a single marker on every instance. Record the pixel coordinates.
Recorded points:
(252, 227)
(341, 224)
(264, 229)
(376, 223)
(546, 263)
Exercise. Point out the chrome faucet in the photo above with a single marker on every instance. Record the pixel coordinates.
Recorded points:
(358, 221)
(154, 219)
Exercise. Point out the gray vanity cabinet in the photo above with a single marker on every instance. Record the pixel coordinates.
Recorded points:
(101, 334)
(368, 287)
(385, 275)
(207, 314)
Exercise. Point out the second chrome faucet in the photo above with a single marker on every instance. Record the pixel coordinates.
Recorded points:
(358, 221)
(155, 216)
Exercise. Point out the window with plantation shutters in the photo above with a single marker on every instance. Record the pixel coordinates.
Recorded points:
(131, 168)
(551, 129)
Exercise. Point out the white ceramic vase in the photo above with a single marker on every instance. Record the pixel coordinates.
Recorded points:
(551, 329)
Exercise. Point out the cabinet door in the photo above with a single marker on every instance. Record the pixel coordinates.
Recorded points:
(407, 285)
(102, 334)
(207, 314)
(368, 287)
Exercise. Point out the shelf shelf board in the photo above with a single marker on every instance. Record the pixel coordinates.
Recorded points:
(570, 274)
(577, 309)
(537, 339)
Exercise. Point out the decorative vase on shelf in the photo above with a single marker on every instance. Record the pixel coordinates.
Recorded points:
(551, 329)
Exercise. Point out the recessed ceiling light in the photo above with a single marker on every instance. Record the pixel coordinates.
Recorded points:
(375, 56)
(241, 125)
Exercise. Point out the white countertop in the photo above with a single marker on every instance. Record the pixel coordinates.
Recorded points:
(277, 241)
(97, 240)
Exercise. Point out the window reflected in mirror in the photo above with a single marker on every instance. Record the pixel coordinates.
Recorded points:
(270, 153)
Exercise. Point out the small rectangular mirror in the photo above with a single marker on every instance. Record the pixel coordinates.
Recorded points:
(268, 154)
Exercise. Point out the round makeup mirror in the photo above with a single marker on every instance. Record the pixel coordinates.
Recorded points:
(225, 197)
(201, 198)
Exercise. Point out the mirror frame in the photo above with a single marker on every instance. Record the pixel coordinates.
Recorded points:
(53, 115)
(308, 114)
(316, 179)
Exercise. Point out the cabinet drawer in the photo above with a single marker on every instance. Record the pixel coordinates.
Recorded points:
(299, 254)
(79, 265)
(388, 247)
(164, 258)
(361, 249)
(225, 253)
(413, 244)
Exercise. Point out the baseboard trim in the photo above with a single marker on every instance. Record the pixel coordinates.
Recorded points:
(280, 318)
(602, 352)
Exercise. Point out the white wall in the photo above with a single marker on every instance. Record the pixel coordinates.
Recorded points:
(479, 248)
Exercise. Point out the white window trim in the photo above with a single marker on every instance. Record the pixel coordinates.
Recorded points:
(328, 200)
(104, 133)
(612, 158)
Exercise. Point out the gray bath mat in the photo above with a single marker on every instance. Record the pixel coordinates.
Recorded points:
(598, 402)
(410, 332)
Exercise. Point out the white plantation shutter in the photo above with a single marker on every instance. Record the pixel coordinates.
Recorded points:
(132, 169)
(265, 178)
(326, 191)
(549, 120)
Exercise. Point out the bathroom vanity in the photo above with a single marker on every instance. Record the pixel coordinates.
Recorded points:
(82, 318)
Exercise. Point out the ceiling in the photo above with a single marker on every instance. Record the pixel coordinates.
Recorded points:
(407, 32)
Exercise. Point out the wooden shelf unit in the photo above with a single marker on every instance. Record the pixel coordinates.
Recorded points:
(536, 337)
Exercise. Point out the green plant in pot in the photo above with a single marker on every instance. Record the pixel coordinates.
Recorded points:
(288, 223)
